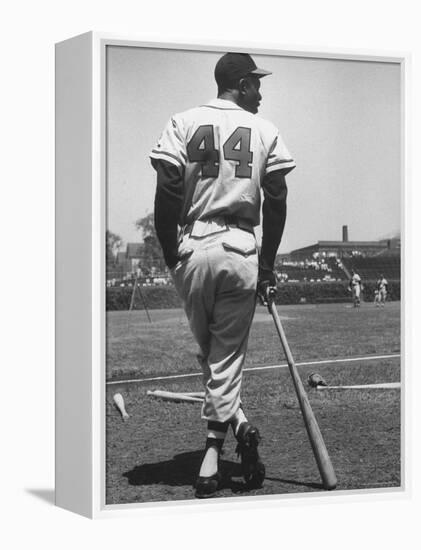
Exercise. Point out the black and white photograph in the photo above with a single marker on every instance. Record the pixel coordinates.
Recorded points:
(210, 304)
(253, 274)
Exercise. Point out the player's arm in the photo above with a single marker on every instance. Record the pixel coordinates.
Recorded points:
(274, 216)
(168, 158)
(168, 207)
(278, 163)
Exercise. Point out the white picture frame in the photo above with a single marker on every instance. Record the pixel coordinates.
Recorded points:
(80, 260)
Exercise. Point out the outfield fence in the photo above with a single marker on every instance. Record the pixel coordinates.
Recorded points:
(165, 296)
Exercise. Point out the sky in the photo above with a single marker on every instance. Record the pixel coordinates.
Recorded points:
(340, 120)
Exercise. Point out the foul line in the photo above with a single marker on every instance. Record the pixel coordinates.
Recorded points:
(268, 367)
(381, 386)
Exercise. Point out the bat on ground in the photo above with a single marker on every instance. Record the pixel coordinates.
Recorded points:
(177, 397)
(119, 403)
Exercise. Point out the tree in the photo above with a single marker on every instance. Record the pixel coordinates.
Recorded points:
(113, 244)
(152, 252)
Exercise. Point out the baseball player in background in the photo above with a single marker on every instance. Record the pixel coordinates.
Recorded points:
(212, 163)
(355, 287)
(382, 290)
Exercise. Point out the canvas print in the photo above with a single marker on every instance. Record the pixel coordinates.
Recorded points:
(253, 274)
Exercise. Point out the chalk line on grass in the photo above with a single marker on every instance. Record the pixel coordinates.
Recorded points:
(265, 367)
(381, 386)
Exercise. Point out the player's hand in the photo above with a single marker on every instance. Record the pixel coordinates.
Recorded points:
(266, 293)
(266, 286)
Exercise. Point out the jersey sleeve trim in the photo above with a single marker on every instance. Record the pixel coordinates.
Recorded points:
(285, 165)
(169, 157)
(280, 161)
(181, 153)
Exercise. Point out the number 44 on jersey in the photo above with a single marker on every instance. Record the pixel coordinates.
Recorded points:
(201, 148)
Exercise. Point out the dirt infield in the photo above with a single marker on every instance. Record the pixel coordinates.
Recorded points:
(155, 456)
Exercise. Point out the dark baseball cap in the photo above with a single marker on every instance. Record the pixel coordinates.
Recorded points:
(234, 66)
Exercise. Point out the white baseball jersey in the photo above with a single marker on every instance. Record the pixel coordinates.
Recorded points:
(382, 284)
(223, 152)
(355, 280)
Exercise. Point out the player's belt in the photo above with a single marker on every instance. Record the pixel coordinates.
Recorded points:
(201, 228)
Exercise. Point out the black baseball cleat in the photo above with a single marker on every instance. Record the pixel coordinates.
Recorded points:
(254, 470)
(206, 486)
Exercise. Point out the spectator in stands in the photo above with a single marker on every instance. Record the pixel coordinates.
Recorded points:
(355, 287)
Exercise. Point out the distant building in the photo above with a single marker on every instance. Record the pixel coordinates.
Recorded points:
(134, 252)
(346, 248)
(121, 258)
(126, 263)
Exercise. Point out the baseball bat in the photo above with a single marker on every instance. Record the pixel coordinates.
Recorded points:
(172, 396)
(119, 403)
(321, 455)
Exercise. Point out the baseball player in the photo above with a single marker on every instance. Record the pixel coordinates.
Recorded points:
(355, 287)
(382, 290)
(212, 163)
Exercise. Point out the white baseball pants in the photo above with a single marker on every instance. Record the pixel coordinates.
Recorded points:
(216, 278)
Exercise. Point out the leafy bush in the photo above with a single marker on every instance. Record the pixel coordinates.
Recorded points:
(155, 297)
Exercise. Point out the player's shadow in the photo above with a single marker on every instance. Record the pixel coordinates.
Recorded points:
(182, 470)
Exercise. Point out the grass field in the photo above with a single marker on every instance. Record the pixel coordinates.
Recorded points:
(155, 456)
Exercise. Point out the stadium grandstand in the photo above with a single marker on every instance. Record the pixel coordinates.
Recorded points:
(371, 268)
(334, 260)
(310, 270)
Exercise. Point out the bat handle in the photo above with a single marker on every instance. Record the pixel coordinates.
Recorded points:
(270, 298)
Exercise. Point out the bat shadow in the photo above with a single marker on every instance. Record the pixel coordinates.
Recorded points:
(310, 485)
